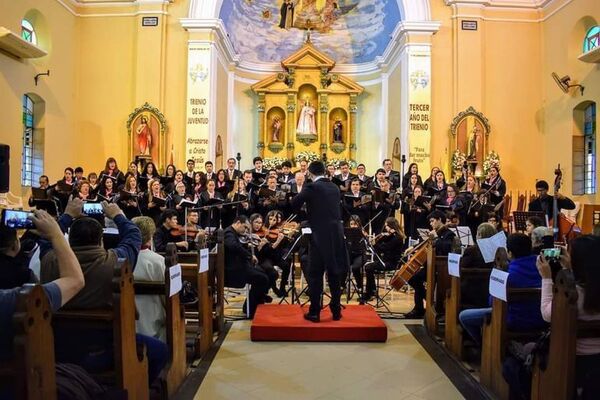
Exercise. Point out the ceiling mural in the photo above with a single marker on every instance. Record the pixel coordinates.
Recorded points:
(349, 31)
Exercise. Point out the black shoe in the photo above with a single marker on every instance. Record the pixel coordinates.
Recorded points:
(281, 292)
(268, 299)
(312, 317)
(414, 314)
(366, 297)
(336, 314)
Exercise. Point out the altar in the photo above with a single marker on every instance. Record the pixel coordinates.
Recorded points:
(307, 110)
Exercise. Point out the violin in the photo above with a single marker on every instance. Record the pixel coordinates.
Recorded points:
(185, 231)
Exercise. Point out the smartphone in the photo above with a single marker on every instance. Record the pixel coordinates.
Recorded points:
(551, 254)
(93, 209)
(17, 219)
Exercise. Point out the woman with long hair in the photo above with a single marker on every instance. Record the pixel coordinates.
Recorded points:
(357, 253)
(413, 169)
(111, 169)
(154, 201)
(267, 252)
(582, 258)
(129, 199)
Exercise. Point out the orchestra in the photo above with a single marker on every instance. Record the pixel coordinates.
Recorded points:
(187, 206)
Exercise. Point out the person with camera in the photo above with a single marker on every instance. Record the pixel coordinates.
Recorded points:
(92, 349)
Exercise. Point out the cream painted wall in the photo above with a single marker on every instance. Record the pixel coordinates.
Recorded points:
(58, 90)
(563, 41)
(502, 70)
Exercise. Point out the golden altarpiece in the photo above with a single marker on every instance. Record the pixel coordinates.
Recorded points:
(307, 108)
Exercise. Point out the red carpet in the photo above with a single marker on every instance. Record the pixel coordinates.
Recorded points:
(284, 322)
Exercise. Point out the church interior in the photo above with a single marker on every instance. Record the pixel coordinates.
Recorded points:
(500, 93)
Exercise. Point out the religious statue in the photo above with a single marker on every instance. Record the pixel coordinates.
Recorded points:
(287, 14)
(474, 139)
(276, 129)
(306, 122)
(144, 136)
(337, 131)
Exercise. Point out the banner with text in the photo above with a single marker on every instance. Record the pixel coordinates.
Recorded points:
(419, 108)
(198, 111)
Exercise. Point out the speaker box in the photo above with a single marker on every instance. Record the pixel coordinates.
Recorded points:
(4, 168)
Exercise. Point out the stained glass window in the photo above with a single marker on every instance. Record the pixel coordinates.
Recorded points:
(589, 133)
(592, 39)
(27, 32)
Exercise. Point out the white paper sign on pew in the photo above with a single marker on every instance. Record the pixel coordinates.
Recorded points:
(203, 267)
(176, 283)
(454, 264)
(498, 283)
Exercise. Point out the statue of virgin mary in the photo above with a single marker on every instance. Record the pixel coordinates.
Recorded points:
(306, 121)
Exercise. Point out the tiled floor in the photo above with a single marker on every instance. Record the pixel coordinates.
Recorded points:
(399, 369)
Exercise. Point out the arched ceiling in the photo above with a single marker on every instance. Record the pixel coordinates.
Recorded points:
(349, 31)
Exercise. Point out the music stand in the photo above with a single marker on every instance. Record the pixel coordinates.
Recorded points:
(464, 234)
(520, 218)
(295, 296)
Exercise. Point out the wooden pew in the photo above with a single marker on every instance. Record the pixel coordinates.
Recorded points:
(453, 331)
(131, 366)
(209, 311)
(557, 379)
(438, 282)
(31, 372)
(495, 335)
(176, 368)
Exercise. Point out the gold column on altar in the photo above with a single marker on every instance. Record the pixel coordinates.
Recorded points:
(317, 104)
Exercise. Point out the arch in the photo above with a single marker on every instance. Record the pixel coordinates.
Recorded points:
(32, 161)
(40, 25)
(396, 154)
(577, 36)
(410, 10)
(219, 153)
(584, 148)
(279, 113)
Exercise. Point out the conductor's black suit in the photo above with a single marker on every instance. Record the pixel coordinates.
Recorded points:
(327, 246)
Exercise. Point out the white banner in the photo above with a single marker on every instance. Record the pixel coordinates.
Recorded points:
(419, 108)
(198, 111)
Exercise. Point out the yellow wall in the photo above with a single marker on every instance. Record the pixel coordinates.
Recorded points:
(104, 67)
(563, 42)
(59, 90)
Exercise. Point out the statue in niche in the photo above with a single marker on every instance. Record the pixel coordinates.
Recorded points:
(306, 122)
(337, 130)
(473, 143)
(276, 129)
(144, 136)
(287, 14)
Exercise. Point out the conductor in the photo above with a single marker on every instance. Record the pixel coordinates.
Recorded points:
(327, 246)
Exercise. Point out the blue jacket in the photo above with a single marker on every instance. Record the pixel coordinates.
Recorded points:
(523, 316)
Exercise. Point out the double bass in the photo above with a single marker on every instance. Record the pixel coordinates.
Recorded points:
(564, 229)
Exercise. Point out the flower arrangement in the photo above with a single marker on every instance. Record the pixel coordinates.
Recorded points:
(491, 160)
(458, 160)
(309, 156)
(336, 162)
(273, 162)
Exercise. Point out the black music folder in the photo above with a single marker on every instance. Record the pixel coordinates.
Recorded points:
(159, 201)
(39, 194)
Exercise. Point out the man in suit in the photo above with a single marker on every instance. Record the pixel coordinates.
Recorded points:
(231, 173)
(239, 264)
(209, 168)
(286, 175)
(390, 174)
(545, 202)
(327, 246)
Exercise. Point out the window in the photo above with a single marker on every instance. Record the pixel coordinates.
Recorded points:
(592, 39)
(589, 134)
(27, 32)
(33, 147)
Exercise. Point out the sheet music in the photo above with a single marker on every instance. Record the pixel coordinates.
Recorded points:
(489, 246)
